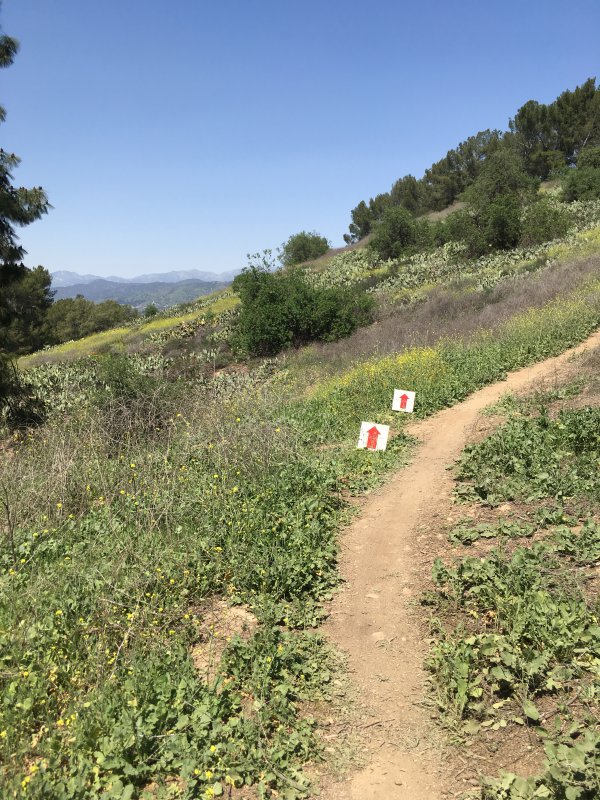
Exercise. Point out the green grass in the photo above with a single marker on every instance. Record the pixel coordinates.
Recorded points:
(139, 507)
(117, 339)
(453, 369)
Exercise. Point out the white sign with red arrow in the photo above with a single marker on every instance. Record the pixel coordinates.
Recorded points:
(403, 400)
(373, 436)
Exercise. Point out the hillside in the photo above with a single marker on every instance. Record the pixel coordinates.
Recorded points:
(176, 534)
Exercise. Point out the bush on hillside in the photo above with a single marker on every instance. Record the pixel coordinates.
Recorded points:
(394, 234)
(19, 407)
(498, 226)
(281, 309)
(302, 247)
(582, 183)
(544, 221)
(492, 219)
(589, 157)
(462, 227)
(501, 222)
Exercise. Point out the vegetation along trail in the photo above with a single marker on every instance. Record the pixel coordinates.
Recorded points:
(385, 561)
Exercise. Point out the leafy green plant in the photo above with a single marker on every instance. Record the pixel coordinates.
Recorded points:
(571, 772)
(535, 457)
(467, 534)
(544, 221)
(280, 310)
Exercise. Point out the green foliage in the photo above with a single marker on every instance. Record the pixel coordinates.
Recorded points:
(19, 406)
(134, 536)
(445, 180)
(582, 183)
(114, 372)
(303, 247)
(77, 317)
(364, 216)
(545, 138)
(501, 175)
(345, 269)
(526, 631)
(502, 222)
(571, 772)
(543, 221)
(150, 311)
(495, 200)
(444, 374)
(536, 457)
(394, 234)
(589, 157)
(123, 544)
(282, 309)
(24, 293)
(564, 126)
(17, 206)
(25, 298)
(523, 643)
(407, 193)
(467, 534)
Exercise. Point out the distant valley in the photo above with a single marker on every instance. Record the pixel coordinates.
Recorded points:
(163, 289)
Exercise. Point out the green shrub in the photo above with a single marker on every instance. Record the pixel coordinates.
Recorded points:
(462, 227)
(582, 183)
(394, 234)
(502, 222)
(589, 157)
(151, 310)
(115, 374)
(19, 406)
(302, 247)
(281, 309)
(544, 221)
(495, 226)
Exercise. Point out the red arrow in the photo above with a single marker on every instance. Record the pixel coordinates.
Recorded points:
(372, 438)
(403, 400)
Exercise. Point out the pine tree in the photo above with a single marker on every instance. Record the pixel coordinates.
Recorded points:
(24, 293)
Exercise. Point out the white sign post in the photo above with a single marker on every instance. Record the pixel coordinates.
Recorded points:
(373, 436)
(403, 400)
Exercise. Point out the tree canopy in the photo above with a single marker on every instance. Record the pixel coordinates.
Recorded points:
(546, 137)
(24, 294)
(301, 247)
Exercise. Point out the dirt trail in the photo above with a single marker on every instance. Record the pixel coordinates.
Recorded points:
(386, 558)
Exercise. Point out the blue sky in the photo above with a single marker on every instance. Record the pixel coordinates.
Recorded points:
(185, 134)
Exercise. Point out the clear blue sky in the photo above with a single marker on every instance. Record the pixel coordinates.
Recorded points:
(184, 134)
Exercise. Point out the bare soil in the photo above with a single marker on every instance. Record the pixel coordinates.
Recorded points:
(385, 561)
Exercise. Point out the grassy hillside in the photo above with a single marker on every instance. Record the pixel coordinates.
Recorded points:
(173, 534)
(132, 337)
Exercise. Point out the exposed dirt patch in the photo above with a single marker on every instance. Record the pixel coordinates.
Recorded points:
(223, 622)
(385, 561)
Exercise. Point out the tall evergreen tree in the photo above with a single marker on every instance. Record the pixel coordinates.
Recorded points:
(24, 294)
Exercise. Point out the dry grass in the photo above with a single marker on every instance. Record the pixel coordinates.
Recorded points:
(434, 216)
(447, 313)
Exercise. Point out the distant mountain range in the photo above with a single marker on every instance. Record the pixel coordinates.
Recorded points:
(65, 278)
(163, 289)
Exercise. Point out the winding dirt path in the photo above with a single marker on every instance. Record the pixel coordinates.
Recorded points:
(385, 561)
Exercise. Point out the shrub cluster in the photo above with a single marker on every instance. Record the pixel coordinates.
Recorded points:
(280, 309)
